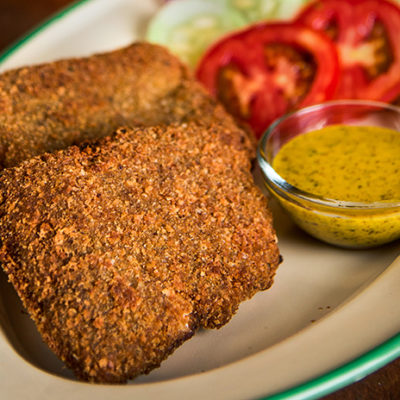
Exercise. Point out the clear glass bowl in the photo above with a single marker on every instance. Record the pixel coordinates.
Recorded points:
(342, 223)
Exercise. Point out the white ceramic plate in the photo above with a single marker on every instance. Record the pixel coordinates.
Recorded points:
(331, 317)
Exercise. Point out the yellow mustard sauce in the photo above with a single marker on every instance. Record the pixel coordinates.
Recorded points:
(345, 163)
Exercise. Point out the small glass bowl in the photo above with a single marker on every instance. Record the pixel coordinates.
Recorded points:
(342, 223)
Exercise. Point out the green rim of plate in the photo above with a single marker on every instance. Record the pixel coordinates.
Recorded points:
(327, 383)
(4, 55)
(347, 374)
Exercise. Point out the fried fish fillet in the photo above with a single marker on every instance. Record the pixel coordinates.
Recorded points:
(51, 106)
(122, 248)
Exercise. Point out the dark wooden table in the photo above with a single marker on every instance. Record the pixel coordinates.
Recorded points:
(19, 16)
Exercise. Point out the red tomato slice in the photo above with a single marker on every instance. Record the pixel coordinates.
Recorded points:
(264, 71)
(366, 33)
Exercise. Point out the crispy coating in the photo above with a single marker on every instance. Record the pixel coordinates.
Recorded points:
(51, 106)
(122, 248)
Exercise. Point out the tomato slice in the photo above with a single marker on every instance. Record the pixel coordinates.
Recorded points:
(264, 71)
(366, 33)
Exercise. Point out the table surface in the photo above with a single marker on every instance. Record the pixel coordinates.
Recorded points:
(19, 16)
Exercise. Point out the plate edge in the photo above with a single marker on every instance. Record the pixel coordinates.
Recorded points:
(19, 42)
(344, 375)
(322, 385)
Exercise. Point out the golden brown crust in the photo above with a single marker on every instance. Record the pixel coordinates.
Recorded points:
(51, 106)
(121, 249)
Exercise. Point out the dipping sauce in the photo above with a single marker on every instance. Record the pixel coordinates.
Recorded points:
(345, 163)
(351, 163)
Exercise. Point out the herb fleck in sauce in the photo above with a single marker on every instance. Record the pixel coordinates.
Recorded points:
(351, 163)
(348, 163)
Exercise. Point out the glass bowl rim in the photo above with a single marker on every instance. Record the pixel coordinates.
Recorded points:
(277, 184)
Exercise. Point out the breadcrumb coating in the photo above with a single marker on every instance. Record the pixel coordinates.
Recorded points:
(51, 106)
(121, 248)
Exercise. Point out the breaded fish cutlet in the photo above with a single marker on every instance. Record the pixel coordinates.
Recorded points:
(51, 106)
(122, 248)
